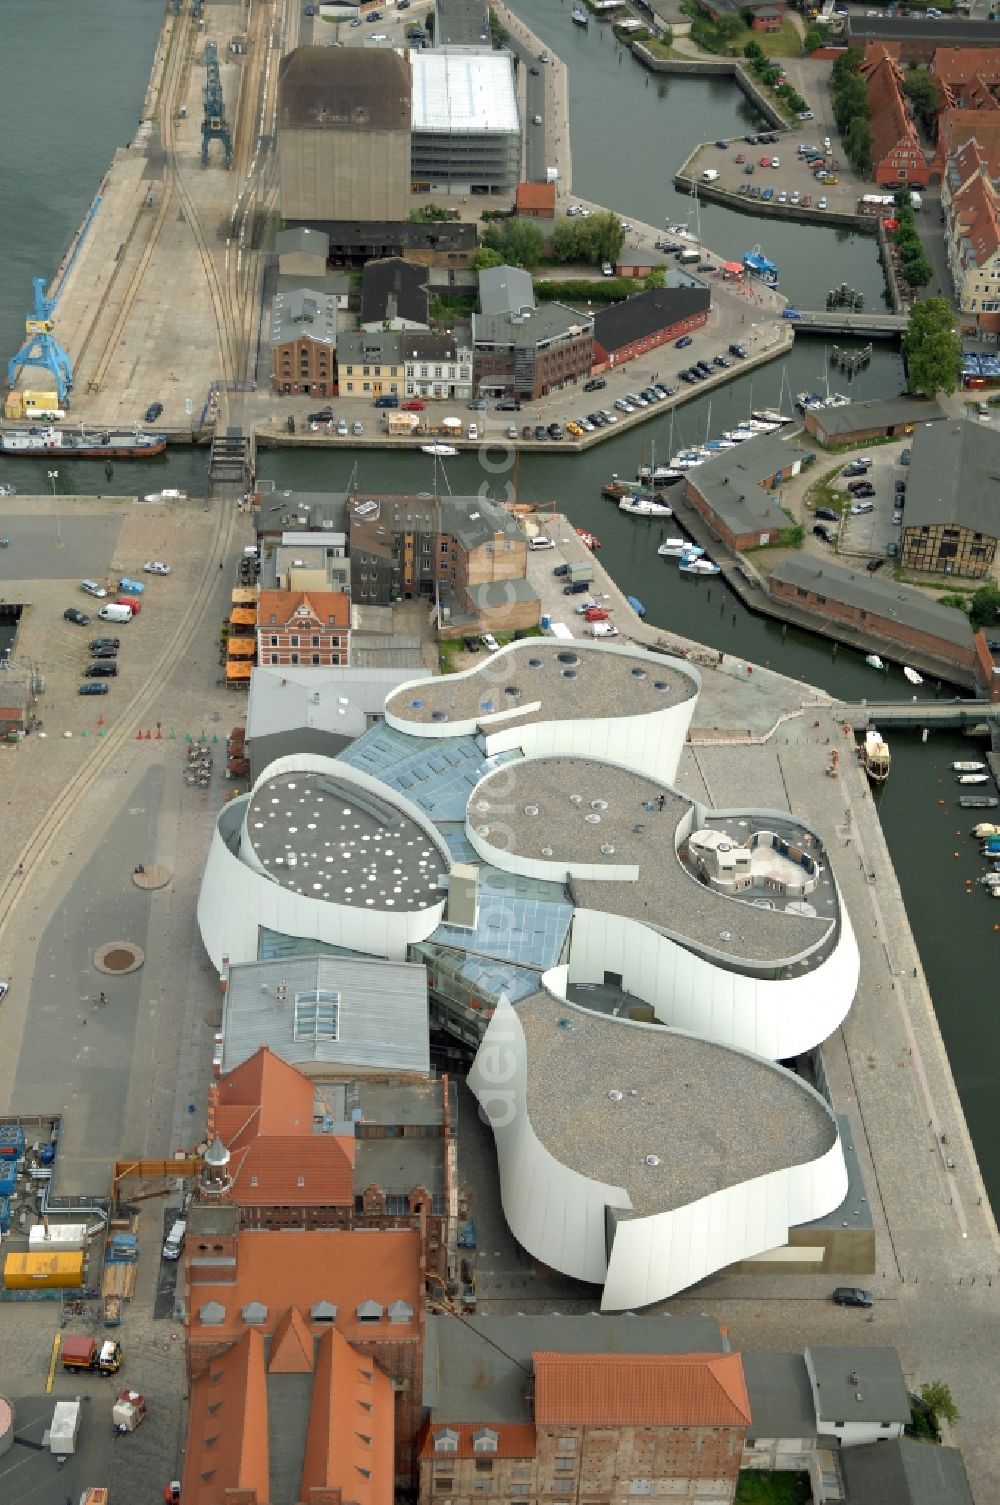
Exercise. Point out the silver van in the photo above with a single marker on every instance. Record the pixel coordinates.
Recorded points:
(174, 1242)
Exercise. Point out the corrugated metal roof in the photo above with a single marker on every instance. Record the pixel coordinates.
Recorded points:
(905, 1472)
(382, 1021)
(459, 91)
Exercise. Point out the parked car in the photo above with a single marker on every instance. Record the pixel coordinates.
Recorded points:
(104, 653)
(153, 411)
(897, 518)
(555, 431)
(540, 542)
(790, 313)
(509, 405)
(683, 343)
(471, 645)
(560, 570)
(783, 197)
(900, 488)
(822, 203)
(860, 507)
(607, 270)
(96, 643)
(93, 689)
(156, 567)
(623, 406)
(595, 614)
(775, 161)
(133, 587)
(904, 457)
(853, 1296)
(874, 564)
(721, 362)
(93, 589)
(342, 428)
(414, 405)
(595, 384)
(511, 431)
(322, 415)
(767, 194)
(576, 588)
(739, 351)
(828, 514)
(824, 533)
(477, 405)
(81, 619)
(489, 642)
(101, 670)
(608, 416)
(357, 427)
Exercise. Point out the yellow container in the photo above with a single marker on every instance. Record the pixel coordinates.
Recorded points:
(26, 1272)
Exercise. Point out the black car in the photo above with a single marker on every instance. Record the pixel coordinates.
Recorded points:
(684, 341)
(721, 362)
(598, 420)
(153, 411)
(854, 469)
(904, 457)
(555, 431)
(670, 391)
(104, 653)
(828, 514)
(96, 643)
(900, 488)
(534, 71)
(824, 533)
(471, 645)
(561, 570)
(79, 617)
(477, 405)
(595, 384)
(509, 405)
(853, 1296)
(751, 139)
(93, 689)
(738, 351)
(861, 488)
(106, 670)
(322, 415)
(874, 564)
(577, 588)
(541, 432)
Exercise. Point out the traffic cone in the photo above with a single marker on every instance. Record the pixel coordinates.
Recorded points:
(100, 720)
(148, 734)
(159, 733)
(138, 735)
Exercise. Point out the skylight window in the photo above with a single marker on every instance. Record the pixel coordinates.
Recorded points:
(317, 1016)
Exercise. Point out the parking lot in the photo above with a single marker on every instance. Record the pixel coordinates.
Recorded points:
(745, 169)
(864, 535)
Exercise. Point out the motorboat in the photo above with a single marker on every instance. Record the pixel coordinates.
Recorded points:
(8, 490)
(674, 548)
(687, 462)
(967, 767)
(691, 565)
(912, 675)
(441, 450)
(873, 661)
(738, 435)
(984, 829)
(636, 605)
(716, 446)
(978, 801)
(760, 267)
(589, 540)
(644, 506)
(657, 475)
(771, 415)
(875, 756)
(806, 400)
(580, 16)
(973, 778)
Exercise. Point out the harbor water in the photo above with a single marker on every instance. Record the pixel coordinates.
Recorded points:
(97, 57)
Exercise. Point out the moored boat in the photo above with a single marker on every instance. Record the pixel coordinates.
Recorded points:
(81, 444)
(985, 829)
(978, 801)
(760, 267)
(580, 16)
(644, 506)
(439, 449)
(636, 605)
(875, 756)
(673, 548)
(873, 661)
(589, 540)
(970, 767)
(698, 565)
(770, 415)
(973, 778)
(657, 475)
(912, 675)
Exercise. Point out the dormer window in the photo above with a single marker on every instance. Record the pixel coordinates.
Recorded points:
(446, 1441)
(485, 1441)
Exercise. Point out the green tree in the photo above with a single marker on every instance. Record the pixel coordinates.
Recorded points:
(847, 64)
(656, 278)
(922, 92)
(753, 49)
(429, 25)
(931, 348)
(937, 1395)
(487, 257)
(607, 234)
(498, 32)
(984, 611)
(519, 241)
(858, 144)
(729, 27)
(565, 241)
(813, 39)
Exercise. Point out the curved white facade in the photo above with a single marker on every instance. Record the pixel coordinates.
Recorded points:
(238, 897)
(561, 1217)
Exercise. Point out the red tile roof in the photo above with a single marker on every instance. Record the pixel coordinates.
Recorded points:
(262, 1111)
(956, 128)
(977, 215)
(296, 1268)
(515, 1439)
(291, 1345)
(536, 196)
(694, 1389)
(227, 1440)
(891, 124)
(968, 76)
(331, 608)
(350, 1438)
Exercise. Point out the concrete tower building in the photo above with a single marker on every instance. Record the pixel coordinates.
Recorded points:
(344, 134)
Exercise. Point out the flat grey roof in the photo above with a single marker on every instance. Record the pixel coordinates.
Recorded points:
(731, 483)
(305, 313)
(878, 595)
(711, 1116)
(382, 1013)
(382, 346)
(877, 412)
(550, 321)
(477, 1368)
(905, 1472)
(781, 1399)
(323, 837)
(505, 290)
(339, 700)
(577, 807)
(954, 477)
(858, 1384)
(399, 1164)
(282, 511)
(461, 23)
(570, 680)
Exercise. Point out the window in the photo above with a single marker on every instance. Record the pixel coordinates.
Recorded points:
(565, 1465)
(443, 1486)
(446, 1442)
(294, 640)
(315, 640)
(317, 1016)
(567, 1445)
(484, 1465)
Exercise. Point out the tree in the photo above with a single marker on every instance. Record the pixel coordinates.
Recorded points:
(498, 32)
(937, 1395)
(813, 39)
(487, 257)
(753, 49)
(984, 611)
(519, 241)
(656, 278)
(858, 144)
(565, 241)
(922, 92)
(608, 237)
(429, 25)
(729, 27)
(931, 348)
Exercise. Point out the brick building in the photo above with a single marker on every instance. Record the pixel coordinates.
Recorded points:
(951, 521)
(847, 602)
(638, 1416)
(971, 207)
(299, 627)
(968, 78)
(303, 341)
(535, 201)
(642, 323)
(896, 153)
(734, 494)
(875, 418)
(531, 353)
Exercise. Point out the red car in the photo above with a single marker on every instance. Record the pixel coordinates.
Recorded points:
(765, 161)
(414, 405)
(595, 614)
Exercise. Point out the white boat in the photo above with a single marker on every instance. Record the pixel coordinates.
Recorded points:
(973, 778)
(8, 490)
(658, 475)
(984, 829)
(167, 495)
(439, 449)
(912, 675)
(976, 768)
(991, 880)
(716, 446)
(770, 415)
(761, 426)
(644, 506)
(580, 16)
(873, 661)
(674, 548)
(738, 435)
(687, 462)
(704, 566)
(876, 756)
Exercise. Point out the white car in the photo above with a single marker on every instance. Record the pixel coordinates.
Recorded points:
(93, 589)
(489, 642)
(539, 541)
(156, 567)
(822, 203)
(603, 630)
(608, 416)
(623, 406)
(775, 161)
(607, 270)
(378, 36)
(783, 197)
(4, 986)
(473, 431)
(826, 144)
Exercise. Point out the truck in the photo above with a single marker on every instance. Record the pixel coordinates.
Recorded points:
(581, 569)
(82, 1352)
(64, 1429)
(916, 202)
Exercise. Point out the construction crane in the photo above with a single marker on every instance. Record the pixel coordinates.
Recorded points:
(41, 348)
(213, 125)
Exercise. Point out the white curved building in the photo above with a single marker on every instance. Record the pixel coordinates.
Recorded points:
(322, 851)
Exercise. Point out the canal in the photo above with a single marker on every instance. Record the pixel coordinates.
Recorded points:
(96, 60)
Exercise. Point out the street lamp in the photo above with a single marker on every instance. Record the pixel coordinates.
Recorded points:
(53, 477)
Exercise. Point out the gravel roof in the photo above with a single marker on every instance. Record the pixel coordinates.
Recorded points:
(667, 893)
(348, 846)
(569, 681)
(713, 1117)
(358, 89)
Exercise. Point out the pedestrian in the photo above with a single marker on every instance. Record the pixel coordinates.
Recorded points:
(221, 563)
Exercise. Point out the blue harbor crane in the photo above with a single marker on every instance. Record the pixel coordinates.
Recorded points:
(214, 126)
(41, 348)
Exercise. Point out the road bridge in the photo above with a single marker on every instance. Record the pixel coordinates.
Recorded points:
(876, 326)
(931, 713)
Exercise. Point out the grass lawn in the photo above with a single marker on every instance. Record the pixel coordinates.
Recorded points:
(757, 1488)
(662, 49)
(822, 494)
(783, 43)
